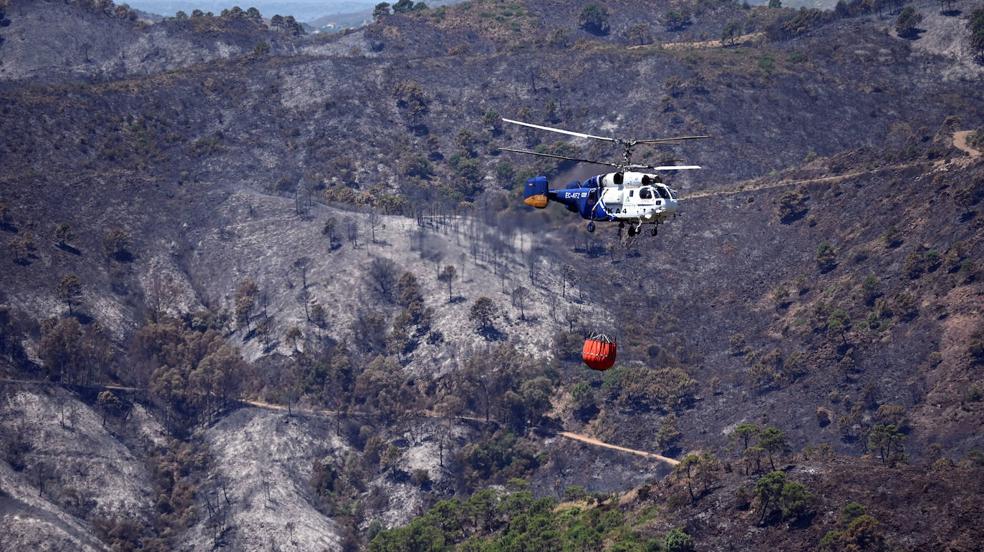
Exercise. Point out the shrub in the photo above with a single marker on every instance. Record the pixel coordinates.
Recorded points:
(795, 501)
(862, 533)
(905, 24)
(678, 541)
(976, 347)
(870, 289)
(500, 457)
(798, 23)
(72, 353)
(887, 440)
(64, 234)
(381, 9)
(893, 414)
(730, 33)
(668, 434)
(403, 6)
(575, 492)
(904, 306)
(792, 206)
(780, 296)
(773, 440)
(483, 314)
(824, 416)
(22, 248)
(467, 168)
(782, 499)
(70, 291)
(976, 25)
(411, 98)
(639, 34)
(505, 173)
(838, 322)
(677, 21)
(381, 279)
(976, 139)
(850, 511)
(826, 257)
(116, 244)
(648, 388)
(594, 19)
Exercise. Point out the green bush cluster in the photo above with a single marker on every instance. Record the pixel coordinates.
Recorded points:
(860, 531)
(782, 500)
(639, 387)
(493, 521)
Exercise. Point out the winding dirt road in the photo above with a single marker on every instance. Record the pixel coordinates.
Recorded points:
(758, 185)
(700, 44)
(325, 412)
(565, 434)
(960, 142)
(595, 442)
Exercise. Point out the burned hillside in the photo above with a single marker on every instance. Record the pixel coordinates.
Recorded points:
(262, 288)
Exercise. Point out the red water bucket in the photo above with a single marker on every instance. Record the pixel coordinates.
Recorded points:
(599, 352)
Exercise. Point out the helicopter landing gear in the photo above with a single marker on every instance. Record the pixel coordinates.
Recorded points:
(655, 229)
(591, 227)
(628, 237)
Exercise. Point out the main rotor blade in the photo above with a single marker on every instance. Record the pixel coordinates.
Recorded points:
(673, 139)
(564, 157)
(567, 132)
(666, 167)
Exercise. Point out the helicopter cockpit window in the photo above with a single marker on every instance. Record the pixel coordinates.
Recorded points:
(645, 193)
(663, 193)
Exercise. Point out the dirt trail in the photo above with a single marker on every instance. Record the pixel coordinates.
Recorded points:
(595, 442)
(960, 142)
(325, 412)
(566, 434)
(755, 185)
(698, 44)
(109, 386)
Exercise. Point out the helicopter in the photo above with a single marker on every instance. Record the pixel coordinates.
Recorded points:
(631, 195)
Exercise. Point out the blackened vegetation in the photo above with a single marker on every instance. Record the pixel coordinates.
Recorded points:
(834, 315)
(182, 497)
(4, 22)
(976, 26)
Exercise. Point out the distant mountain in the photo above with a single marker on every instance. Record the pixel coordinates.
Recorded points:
(302, 10)
(339, 21)
(350, 20)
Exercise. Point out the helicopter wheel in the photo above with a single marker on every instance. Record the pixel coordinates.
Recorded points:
(655, 230)
(591, 227)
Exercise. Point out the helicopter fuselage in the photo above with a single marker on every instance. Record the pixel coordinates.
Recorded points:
(628, 197)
